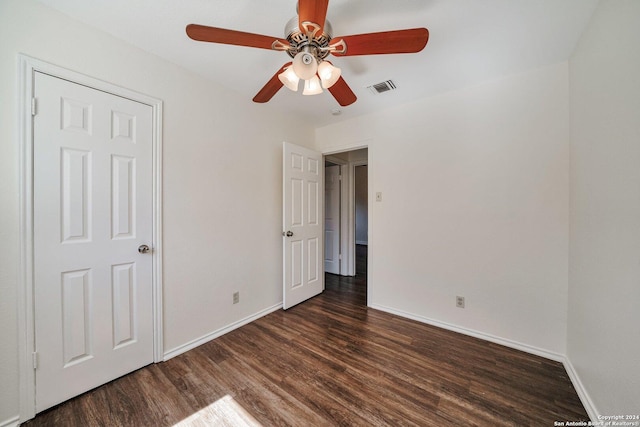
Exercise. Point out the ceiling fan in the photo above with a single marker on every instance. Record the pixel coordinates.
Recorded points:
(309, 40)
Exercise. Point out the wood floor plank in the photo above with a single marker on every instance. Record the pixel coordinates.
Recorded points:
(333, 361)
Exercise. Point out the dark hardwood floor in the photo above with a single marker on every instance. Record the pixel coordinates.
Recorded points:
(333, 361)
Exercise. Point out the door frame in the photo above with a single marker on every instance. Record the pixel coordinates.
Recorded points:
(347, 211)
(27, 67)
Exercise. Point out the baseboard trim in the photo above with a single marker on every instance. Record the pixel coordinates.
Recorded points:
(215, 334)
(581, 390)
(11, 422)
(476, 334)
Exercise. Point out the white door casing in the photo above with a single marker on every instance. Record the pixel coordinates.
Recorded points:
(93, 208)
(303, 275)
(332, 186)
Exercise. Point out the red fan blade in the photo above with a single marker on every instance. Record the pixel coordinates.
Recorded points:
(400, 41)
(272, 87)
(220, 35)
(314, 11)
(342, 93)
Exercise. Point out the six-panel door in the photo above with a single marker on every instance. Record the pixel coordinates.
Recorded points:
(92, 209)
(303, 268)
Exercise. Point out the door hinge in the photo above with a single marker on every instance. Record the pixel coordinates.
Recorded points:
(34, 107)
(340, 256)
(34, 357)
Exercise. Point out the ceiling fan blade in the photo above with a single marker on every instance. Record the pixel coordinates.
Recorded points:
(400, 41)
(238, 38)
(343, 93)
(314, 11)
(272, 87)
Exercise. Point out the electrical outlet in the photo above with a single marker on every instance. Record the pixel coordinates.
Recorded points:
(236, 297)
(460, 302)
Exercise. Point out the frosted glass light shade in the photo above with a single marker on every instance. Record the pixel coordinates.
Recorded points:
(305, 65)
(328, 74)
(312, 86)
(289, 79)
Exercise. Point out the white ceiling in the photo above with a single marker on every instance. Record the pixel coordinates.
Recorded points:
(470, 41)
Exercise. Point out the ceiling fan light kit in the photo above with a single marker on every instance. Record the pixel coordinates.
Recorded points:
(289, 79)
(312, 86)
(328, 74)
(309, 40)
(305, 65)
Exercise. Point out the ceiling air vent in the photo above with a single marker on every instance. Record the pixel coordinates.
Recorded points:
(382, 87)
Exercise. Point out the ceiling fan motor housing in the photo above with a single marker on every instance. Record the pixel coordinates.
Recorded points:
(309, 41)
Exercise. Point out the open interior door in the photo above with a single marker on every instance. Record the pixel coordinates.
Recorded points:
(302, 221)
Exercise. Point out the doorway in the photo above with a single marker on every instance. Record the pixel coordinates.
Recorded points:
(346, 220)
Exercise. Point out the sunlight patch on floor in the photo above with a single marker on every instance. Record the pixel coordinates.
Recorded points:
(223, 412)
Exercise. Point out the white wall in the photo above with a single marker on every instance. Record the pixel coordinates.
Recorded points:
(475, 201)
(604, 280)
(222, 181)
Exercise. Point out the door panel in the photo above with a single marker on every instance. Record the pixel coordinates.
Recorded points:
(302, 217)
(92, 209)
(123, 172)
(124, 290)
(77, 312)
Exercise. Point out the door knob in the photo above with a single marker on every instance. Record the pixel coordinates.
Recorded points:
(143, 249)
(288, 233)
